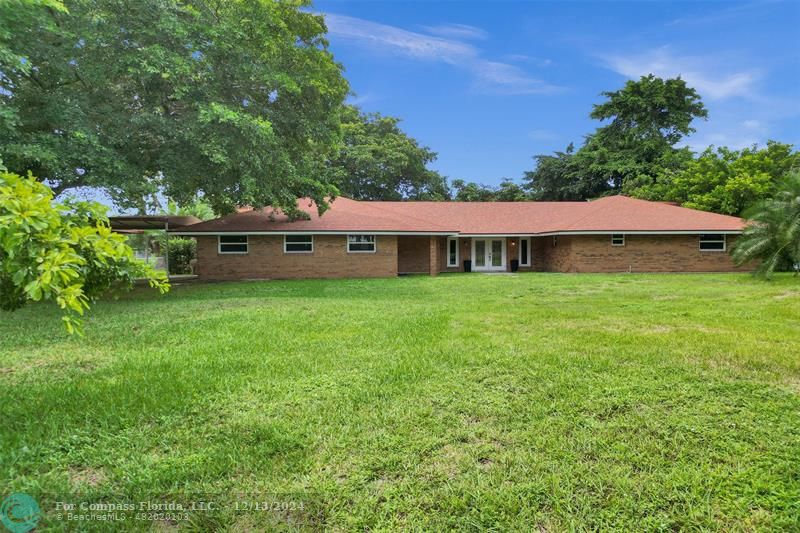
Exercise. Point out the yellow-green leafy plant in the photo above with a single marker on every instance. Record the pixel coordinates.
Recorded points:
(64, 252)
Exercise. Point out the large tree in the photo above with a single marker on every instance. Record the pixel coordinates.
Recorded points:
(507, 191)
(378, 161)
(556, 178)
(730, 181)
(470, 191)
(510, 191)
(643, 122)
(646, 119)
(237, 100)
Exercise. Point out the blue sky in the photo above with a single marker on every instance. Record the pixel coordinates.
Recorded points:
(489, 84)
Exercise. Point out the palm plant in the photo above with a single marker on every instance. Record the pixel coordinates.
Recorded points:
(773, 235)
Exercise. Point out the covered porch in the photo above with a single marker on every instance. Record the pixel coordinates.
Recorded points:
(432, 254)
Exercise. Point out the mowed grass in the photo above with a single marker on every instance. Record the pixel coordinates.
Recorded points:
(464, 401)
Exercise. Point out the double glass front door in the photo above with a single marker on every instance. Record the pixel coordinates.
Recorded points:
(489, 254)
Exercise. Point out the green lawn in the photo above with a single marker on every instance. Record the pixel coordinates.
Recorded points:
(467, 401)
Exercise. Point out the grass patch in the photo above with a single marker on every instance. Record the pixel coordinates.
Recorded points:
(462, 401)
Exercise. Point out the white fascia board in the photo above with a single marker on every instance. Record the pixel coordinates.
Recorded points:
(629, 232)
(454, 233)
(492, 235)
(311, 232)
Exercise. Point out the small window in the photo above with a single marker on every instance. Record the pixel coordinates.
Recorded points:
(617, 239)
(452, 251)
(233, 244)
(360, 243)
(525, 252)
(555, 241)
(298, 244)
(712, 242)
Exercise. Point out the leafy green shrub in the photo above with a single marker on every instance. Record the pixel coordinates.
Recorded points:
(64, 252)
(181, 252)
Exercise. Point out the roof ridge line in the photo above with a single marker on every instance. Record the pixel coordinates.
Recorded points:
(587, 215)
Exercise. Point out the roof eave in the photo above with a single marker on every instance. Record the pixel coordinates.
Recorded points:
(454, 233)
(312, 231)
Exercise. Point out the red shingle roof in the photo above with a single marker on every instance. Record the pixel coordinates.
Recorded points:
(611, 214)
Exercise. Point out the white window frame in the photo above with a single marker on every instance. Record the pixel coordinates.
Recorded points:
(616, 237)
(286, 239)
(525, 261)
(220, 243)
(458, 252)
(723, 240)
(374, 243)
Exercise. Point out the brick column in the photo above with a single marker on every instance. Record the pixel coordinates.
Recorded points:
(434, 255)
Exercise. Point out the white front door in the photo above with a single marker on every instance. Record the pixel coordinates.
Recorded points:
(488, 255)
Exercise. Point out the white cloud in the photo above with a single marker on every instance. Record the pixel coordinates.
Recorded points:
(728, 129)
(543, 135)
(722, 13)
(457, 31)
(489, 75)
(360, 99)
(537, 61)
(698, 143)
(508, 79)
(696, 70)
(398, 40)
(755, 126)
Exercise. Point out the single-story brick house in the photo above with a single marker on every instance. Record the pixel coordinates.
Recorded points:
(381, 239)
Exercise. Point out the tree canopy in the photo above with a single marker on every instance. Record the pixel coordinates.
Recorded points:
(378, 161)
(198, 208)
(236, 100)
(556, 177)
(729, 181)
(507, 191)
(644, 121)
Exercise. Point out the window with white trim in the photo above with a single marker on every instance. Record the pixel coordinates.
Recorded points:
(452, 251)
(232, 244)
(298, 244)
(712, 242)
(525, 251)
(617, 239)
(360, 243)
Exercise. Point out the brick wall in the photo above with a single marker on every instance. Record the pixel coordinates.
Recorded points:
(265, 259)
(551, 255)
(641, 253)
(413, 255)
(538, 253)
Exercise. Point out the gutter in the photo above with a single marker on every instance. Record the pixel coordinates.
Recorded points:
(457, 234)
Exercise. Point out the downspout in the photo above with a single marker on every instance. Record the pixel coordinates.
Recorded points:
(166, 245)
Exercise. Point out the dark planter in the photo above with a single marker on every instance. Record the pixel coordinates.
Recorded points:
(467, 265)
(514, 265)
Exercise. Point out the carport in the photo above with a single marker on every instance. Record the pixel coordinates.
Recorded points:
(139, 224)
